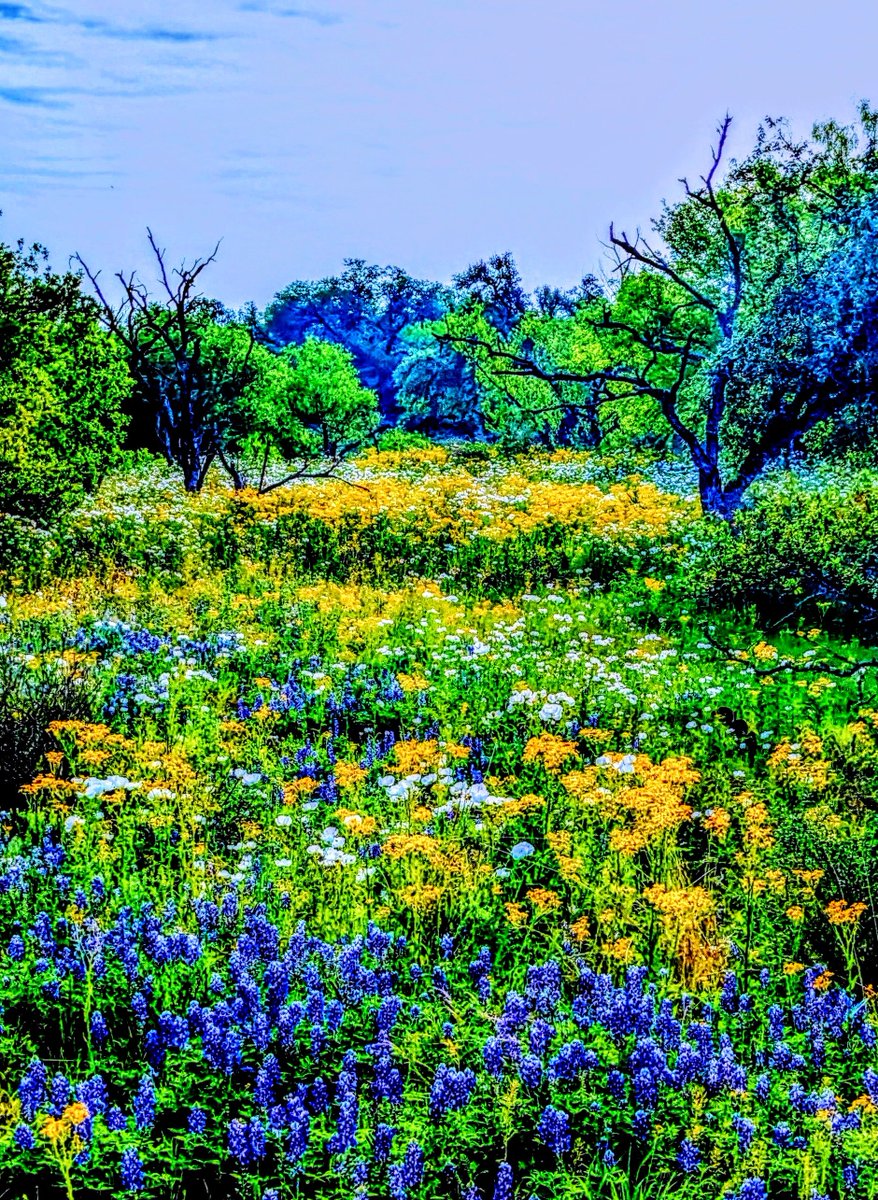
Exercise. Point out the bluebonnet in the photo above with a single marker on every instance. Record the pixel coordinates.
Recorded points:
(59, 1094)
(98, 1026)
(93, 1094)
(32, 1089)
(131, 1170)
(503, 1186)
(144, 1103)
(530, 1070)
(645, 1089)
(641, 1124)
(267, 1078)
(515, 1014)
(388, 1013)
(850, 1176)
(540, 1037)
(116, 1120)
(616, 1084)
(246, 1142)
(745, 1130)
(345, 1136)
(479, 971)
(451, 1090)
(570, 1061)
(387, 1081)
(318, 1096)
(688, 1156)
(544, 987)
(752, 1189)
(299, 1122)
(554, 1130)
(412, 1165)
(383, 1141)
(781, 1135)
(24, 1138)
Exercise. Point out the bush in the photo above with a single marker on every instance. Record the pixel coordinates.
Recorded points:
(400, 439)
(797, 552)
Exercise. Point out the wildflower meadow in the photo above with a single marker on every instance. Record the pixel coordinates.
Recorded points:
(429, 832)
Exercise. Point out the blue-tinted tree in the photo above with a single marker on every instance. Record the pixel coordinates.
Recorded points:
(365, 310)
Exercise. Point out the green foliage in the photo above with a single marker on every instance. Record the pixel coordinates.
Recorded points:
(810, 551)
(62, 385)
(326, 397)
(402, 439)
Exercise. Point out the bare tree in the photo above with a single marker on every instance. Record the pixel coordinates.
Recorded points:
(177, 389)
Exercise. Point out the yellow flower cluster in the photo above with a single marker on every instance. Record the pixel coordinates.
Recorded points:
(357, 825)
(459, 506)
(549, 749)
(647, 801)
(688, 930)
(416, 757)
(801, 762)
(841, 913)
(349, 775)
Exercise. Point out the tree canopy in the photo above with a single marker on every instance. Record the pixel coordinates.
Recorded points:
(62, 386)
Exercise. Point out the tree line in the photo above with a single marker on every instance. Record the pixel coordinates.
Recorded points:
(744, 327)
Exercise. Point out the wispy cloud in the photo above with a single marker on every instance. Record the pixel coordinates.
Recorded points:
(63, 96)
(101, 26)
(146, 33)
(36, 56)
(18, 12)
(317, 16)
(65, 48)
(35, 97)
(164, 35)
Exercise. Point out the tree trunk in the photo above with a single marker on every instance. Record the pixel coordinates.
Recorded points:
(192, 477)
(716, 500)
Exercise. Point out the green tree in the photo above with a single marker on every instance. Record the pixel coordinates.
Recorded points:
(181, 390)
(328, 398)
(206, 391)
(304, 406)
(63, 382)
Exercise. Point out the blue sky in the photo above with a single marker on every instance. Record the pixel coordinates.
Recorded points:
(426, 133)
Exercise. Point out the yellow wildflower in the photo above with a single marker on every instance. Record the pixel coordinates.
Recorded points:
(543, 899)
(840, 913)
(348, 774)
